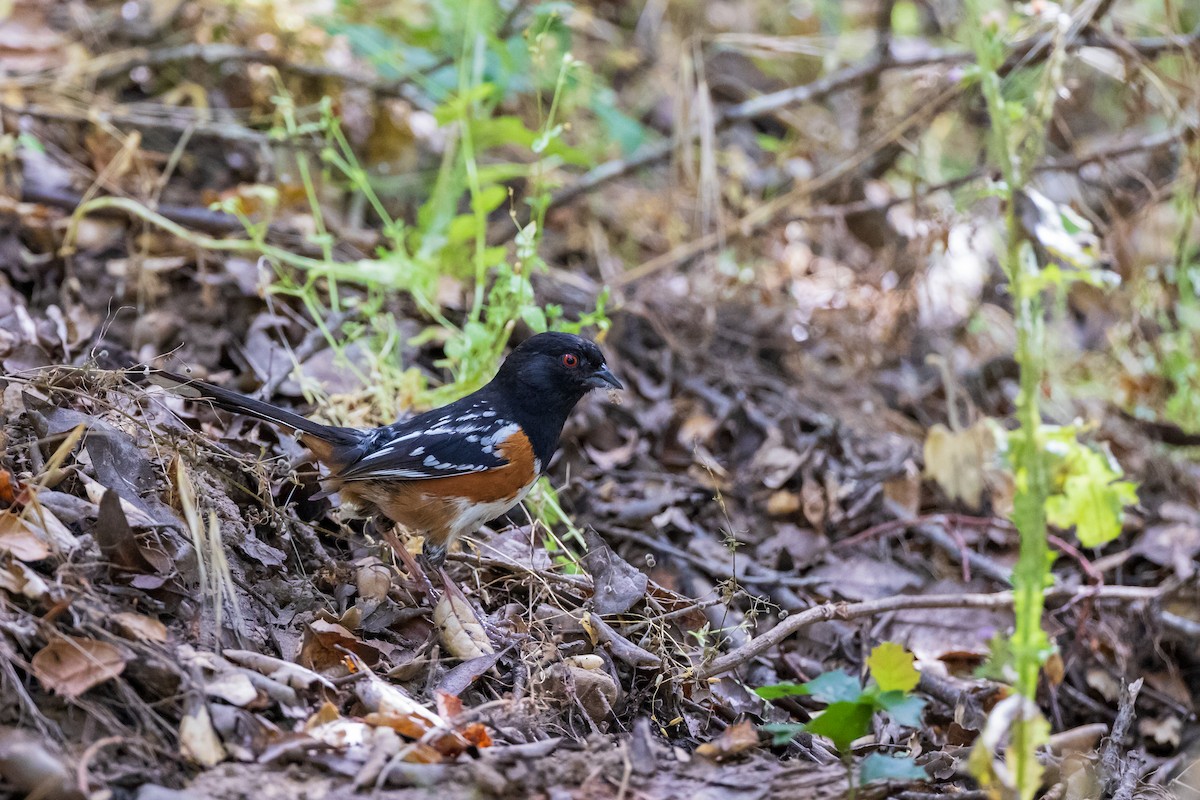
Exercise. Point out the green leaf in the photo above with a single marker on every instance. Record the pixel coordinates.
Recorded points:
(627, 132)
(906, 18)
(29, 141)
(542, 142)
(892, 668)
(1095, 508)
(535, 318)
(461, 229)
(999, 663)
(778, 690)
(835, 686)
(882, 767)
(782, 732)
(842, 723)
(489, 198)
(905, 709)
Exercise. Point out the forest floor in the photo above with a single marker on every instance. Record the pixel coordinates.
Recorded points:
(183, 615)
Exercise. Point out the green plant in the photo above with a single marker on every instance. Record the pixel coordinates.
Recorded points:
(449, 237)
(1057, 479)
(1175, 350)
(850, 707)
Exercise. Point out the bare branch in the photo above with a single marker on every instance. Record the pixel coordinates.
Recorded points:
(844, 611)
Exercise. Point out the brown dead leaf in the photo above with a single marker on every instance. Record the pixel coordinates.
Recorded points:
(1104, 683)
(1165, 731)
(325, 645)
(864, 578)
(448, 705)
(782, 503)
(733, 740)
(775, 461)
(327, 713)
(140, 627)
(69, 666)
(814, 505)
(903, 493)
(1174, 542)
(961, 462)
(28, 42)
(413, 727)
(49, 526)
(584, 682)
(792, 547)
(619, 456)
(18, 539)
(477, 734)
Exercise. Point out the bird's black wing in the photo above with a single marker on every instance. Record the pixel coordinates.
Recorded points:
(460, 439)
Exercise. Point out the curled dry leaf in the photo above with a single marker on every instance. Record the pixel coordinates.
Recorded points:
(962, 462)
(140, 627)
(617, 585)
(600, 632)
(775, 461)
(277, 669)
(1166, 731)
(585, 661)
(69, 666)
(51, 528)
(391, 702)
(18, 579)
(198, 741)
(733, 740)
(132, 514)
(34, 768)
(18, 539)
(374, 581)
(782, 503)
(902, 493)
(326, 644)
(232, 687)
(593, 689)
(459, 630)
(11, 488)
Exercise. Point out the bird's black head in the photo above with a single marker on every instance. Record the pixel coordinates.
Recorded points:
(542, 380)
(553, 365)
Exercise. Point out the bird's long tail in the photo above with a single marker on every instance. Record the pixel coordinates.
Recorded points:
(326, 441)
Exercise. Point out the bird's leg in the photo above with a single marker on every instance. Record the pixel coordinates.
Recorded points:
(433, 557)
(388, 532)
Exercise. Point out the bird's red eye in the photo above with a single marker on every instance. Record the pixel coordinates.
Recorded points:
(570, 360)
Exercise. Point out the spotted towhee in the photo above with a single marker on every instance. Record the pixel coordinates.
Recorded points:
(447, 471)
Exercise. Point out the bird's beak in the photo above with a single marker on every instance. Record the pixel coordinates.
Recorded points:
(601, 378)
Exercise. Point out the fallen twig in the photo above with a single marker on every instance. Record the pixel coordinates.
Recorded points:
(1119, 772)
(844, 611)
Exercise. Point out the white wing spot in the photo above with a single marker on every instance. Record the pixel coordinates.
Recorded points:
(500, 435)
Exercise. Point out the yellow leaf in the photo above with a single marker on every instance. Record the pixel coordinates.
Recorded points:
(892, 668)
